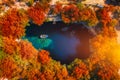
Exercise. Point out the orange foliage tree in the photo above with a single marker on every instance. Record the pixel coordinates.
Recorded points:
(74, 13)
(105, 16)
(43, 56)
(27, 51)
(54, 71)
(34, 74)
(8, 68)
(104, 62)
(45, 3)
(104, 70)
(107, 71)
(9, 45)
(37, 13)
(70, 13)
(79, 70)
(13, 23)
(105, 12)
(58, 8)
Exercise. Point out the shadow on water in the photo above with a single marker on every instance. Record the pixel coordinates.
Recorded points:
(68, 41)
(113, 2)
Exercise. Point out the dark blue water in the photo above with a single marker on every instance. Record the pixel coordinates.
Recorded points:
(65, 42)
(113, 2)
(64, 46)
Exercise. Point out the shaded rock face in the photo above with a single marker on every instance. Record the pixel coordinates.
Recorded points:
(113, 2)
(69, 41)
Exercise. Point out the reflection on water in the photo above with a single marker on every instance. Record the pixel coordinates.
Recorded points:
(65, 42)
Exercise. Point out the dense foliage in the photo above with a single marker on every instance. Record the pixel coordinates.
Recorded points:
(37, 13)
(20, 60)
(76, 13)
(13, 23)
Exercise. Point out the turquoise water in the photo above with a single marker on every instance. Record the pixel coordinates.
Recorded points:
(40, 43)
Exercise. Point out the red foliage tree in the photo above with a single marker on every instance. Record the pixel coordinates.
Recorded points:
(27, 51)
(70, 13)
(62, 73)
(105, 16)
(104, 13)
(9, 45)
(37, 13)
(13, 23)
(7, 68)
(34, 74)
(107, 71)
(85, 13)
(43, 56)
(80, 71)
(58, 8)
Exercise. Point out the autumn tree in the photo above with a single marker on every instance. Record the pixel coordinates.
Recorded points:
(43, 56)
(105, 16)
(70, 13)
(8, 68)
(27, 51)
(79, 69)
(37, 13)
(34, 74)
(58, 8)
(104, 70)
(13, 23)
(54, 71)
(9, 45)
(104, 62)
